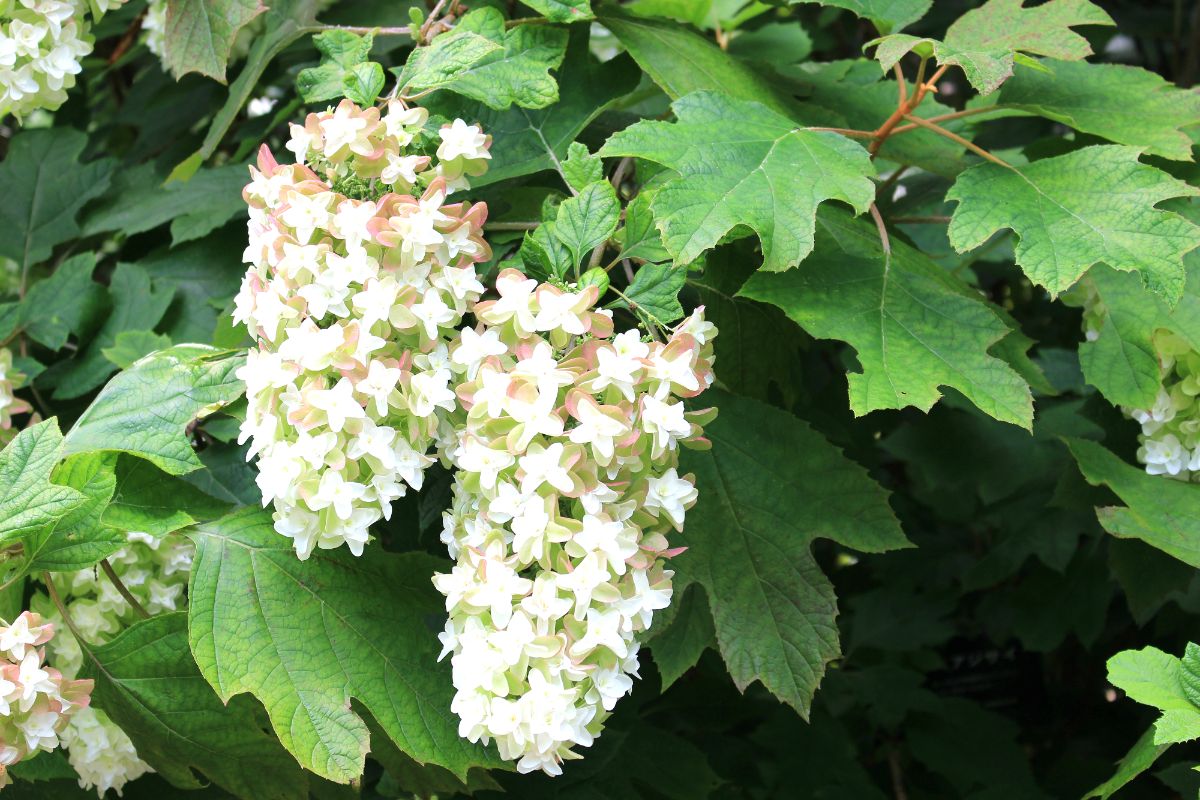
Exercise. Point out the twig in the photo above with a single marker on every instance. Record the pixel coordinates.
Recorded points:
(116, 581)
(127, 38)
(62, 609)
(970, 112)
(619, 173)
(404, 31)
(437, 9)
(954, 137)
(891, 180)
(897, 774)
(883, 235)
(847, 132)
(902, 82)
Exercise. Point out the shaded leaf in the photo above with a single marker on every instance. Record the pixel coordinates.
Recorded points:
(889, 16)
(769, 486)
(914, 327)
(147, 682)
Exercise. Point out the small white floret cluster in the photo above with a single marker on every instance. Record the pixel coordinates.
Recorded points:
(566, 448)
(360, 274)
(10, 380)
(41, 43)
(36, 700)
(1170, 436)
(155, 571)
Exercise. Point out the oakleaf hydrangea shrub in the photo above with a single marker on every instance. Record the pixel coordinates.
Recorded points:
(360, 272)
(154, 570)
(567, 488)
(36, 701)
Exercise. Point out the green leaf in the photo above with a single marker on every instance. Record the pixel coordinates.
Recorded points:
(531, 140)
(1140, 758)
(1127, 105)
(913, 326)
(129, 346)
(1153, 678)
(284, 22)
(147, 682)
(1122, 361)
(342, 53)
(138, 305)
(44, 185)
(587, 220)
(889, 16)
(682, 62)
(544, 254)
(640, 237)
(581, 167)
(985, 40)
(1066, 221)
(304, 638)
(677, 647)
(1162, 513)
(200, 33)
(513, 68)
(145, 409)
(769, 486)
(655, 292)
(149, 500)
(741, 164)
(29, 502)
(79, 540)
(1189, 673)
(60, 305)
(363, 83)
(194, 207)
(563, 10)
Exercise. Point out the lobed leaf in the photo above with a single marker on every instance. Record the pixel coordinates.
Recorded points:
(1066, 220)
(741, 164)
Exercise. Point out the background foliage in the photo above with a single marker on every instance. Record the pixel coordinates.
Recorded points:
(925, 562)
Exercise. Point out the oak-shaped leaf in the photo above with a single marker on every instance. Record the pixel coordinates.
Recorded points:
(199, 34)
(1157, 679)
(888, 16)
(986, 41)
(528, 140)
(913, 326)
(1127, 105)
(770, 486)
(482, 60)
(29, 502)
(147, 682)
(740, 164)
(44, 185)
(1162, 513)
(1092, 205)
(305, 637)
(145, 409)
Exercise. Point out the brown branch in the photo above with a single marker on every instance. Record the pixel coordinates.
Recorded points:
(847, 132)
(116, 581)
(954, 137)
(970, 112)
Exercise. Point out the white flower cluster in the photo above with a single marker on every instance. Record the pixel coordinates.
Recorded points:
(10, 380)
(566, 446)
(155, 571)
(1170, 437)
(36, 701)
(41, 43)
(358, 280)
